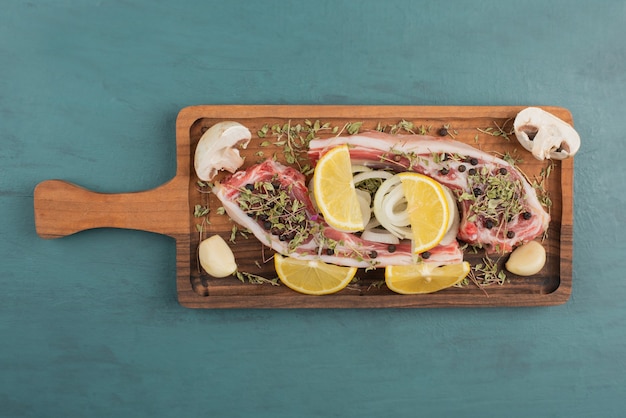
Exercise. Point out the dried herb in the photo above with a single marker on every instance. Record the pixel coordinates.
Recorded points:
(487, 273)
(200, 211)
(353, 127)
(262, 133)
(403, 125)
(233, 234)
(272, 205)
(370, 186)
(512, 158)
(294, 138)
(376, 284)
(495, 197)
(439, 158)
(498, 130)
(409, 160)
(543, 194)
(255, 278)
(424, 130)
(539, 184)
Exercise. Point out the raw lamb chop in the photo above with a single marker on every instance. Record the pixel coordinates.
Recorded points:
(272, 201)
(499, 208)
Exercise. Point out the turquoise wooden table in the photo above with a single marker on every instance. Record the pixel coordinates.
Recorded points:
(90, 324)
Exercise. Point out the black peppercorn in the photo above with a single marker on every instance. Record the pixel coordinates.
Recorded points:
(249, 186)
(503, 171)
(443, 131)
(330, 251)
(471, 171)
(373, 254)
(425, 255)
(462, 168)
(444, 171)
(489, 224)
(391, 248)
(267, 225)
(527, 215)
(473, 161)
(477, 192)
(510, 234)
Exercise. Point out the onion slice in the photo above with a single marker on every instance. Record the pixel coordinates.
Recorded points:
(380, 235)
(378, 174)
(388, 197)
(386, 218)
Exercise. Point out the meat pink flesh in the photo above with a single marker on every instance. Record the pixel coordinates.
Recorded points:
(398, 153)
(350, 250)
(423, 154)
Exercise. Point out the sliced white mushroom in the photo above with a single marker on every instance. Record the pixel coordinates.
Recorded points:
(545, 135)
(218, 149)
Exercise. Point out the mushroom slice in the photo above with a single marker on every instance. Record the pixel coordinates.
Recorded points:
(218, 149)
(545, 135)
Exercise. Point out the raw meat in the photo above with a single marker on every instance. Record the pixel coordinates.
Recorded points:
(247, 196)
(499, 208)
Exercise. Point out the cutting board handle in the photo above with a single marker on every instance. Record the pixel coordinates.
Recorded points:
(63, 208)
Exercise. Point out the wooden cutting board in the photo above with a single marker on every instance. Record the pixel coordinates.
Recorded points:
(62, 209)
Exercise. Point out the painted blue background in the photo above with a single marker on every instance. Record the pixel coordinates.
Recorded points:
(90, 325)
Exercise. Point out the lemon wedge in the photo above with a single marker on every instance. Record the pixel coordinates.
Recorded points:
(424, 277)
(312, 277)
(334, 191)
(428, 210)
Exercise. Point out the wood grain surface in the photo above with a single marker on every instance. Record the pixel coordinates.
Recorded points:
(62, 209)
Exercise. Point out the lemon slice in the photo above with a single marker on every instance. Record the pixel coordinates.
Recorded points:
(334, 191)
(424, 277)
(312, 277)
(428, 210)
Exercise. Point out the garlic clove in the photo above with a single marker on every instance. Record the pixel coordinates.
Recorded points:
(216, 257)
(527, 259)
(218, 149)
(545, 135)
